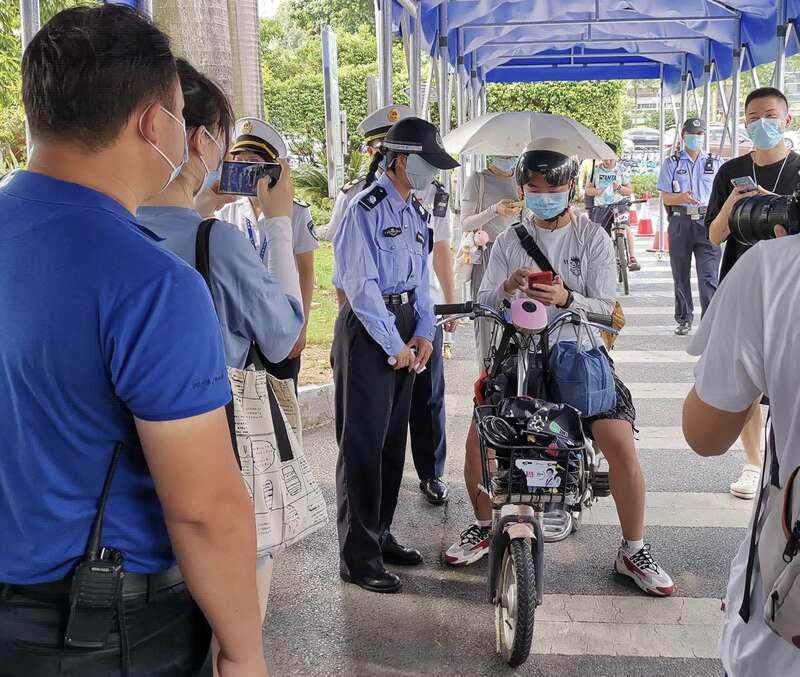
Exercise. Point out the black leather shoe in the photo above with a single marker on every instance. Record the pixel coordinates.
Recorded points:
(388, 583)
(435, 490)
(394, 553)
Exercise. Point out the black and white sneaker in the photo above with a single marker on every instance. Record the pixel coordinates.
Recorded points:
(471, 546)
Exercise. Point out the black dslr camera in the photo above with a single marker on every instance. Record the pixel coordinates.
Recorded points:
(754, 218)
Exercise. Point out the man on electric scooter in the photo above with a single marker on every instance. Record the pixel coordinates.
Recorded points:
(582, 258)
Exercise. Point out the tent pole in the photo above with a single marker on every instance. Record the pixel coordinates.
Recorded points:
(30, 21)
(461, 102)
(783, 39)
(708, 69)
(444, 82)
(426, 100)
(661, 121)
(723, 98)
(684, 94)
(383, 34)
(414, 74)
(734, 106)
(678, 122)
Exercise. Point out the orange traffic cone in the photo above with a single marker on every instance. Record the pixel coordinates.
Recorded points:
(633, 216)
(645, 222)
(656, 246)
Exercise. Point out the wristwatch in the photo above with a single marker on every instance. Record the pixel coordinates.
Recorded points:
(570, 299)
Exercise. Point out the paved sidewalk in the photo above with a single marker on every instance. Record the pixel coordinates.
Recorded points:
(592, 622)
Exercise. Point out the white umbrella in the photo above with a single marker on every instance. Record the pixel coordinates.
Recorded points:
(511, 133)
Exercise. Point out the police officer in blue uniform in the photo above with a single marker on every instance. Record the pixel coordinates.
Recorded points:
(685, 184)
(383, 338)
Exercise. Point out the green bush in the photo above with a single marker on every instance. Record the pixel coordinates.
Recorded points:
(645, 183)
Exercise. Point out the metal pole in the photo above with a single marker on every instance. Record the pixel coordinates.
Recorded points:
(414, 71)
(383, 34)
(734, 107)
(444, 81)
(708, 70)
(783, 39)
(426, 99)
(661, 125)
(30, 22)
(684, 92)
(461, 85)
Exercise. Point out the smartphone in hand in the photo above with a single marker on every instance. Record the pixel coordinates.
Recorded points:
(744, 182)
(241, 178)
(544, 277)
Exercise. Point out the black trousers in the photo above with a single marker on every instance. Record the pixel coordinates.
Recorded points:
(288, 368)
(372, 403)
(167, 635)
(428, 423)
(687, 237)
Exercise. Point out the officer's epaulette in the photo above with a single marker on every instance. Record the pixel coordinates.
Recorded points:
(300, 203)
(374, 197)
(423, 213)
(346, 188)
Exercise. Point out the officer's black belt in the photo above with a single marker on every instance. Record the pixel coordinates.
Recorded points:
(400, 299)
(133, 585)
(683, 210)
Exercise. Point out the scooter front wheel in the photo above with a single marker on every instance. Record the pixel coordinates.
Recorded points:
(516, 603)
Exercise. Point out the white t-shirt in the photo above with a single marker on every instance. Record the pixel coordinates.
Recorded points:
(750, 344)
(604, 179)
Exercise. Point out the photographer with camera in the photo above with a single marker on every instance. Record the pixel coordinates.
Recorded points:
(773, 169)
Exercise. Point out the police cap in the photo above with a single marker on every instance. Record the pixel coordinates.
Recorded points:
(415, 136)
(374, 127)
(694, 126)
(257, 136)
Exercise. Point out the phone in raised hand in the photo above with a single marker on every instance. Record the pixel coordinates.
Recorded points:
(241, 178)
(746, 182)
(544, 277)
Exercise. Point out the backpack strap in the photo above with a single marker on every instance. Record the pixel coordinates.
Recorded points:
(532, 249)
(771, 455)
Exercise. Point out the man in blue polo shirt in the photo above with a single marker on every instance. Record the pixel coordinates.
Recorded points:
(107, 341)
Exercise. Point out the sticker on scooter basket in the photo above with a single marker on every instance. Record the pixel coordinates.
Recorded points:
(544, 474)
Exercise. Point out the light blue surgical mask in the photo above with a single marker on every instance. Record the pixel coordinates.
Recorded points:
(693, 141)
(765, 133)
(547, 206)
(176, 169)
(505, 164)
(419, 172)
(212, 175)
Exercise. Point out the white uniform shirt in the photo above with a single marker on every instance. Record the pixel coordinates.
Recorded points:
(241, 214)
(750, 344)
(441, 226)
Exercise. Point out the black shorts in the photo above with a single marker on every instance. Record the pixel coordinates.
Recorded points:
(602, 216)
(624, 410)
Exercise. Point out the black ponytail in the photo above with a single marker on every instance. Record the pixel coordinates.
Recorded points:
(377, 158)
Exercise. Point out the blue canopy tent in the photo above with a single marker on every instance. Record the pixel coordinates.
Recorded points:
(685, 45)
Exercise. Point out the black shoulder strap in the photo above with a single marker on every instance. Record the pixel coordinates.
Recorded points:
(532, 249)
(591, 176)
(771, 456)
(202, 263)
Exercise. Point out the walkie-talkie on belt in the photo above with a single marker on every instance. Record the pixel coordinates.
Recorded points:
(96, 587)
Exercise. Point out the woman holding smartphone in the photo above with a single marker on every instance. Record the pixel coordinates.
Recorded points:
(256, 300)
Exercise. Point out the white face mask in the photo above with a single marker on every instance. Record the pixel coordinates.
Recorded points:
(176, 168)
(419, 172)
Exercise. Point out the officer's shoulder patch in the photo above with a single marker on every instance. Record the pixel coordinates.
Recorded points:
(300, 203)
(421, 211)
(346, 188)
(374, 197)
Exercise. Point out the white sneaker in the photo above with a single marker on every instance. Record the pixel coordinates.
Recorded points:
(644, 570)
(471, 546)
(747, 485)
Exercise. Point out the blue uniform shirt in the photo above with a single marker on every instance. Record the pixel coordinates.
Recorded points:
(697, 176)
(249, 301)
(99, 325)
(382, 248)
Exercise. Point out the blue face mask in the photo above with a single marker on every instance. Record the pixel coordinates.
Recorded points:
(504, 164)
(765, 133)
(547, 206)
(693, 141)
(212, 175)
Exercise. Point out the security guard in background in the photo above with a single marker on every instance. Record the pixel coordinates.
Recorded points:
(427, 420)
(258, 141)
(383, 338)
(685, 184)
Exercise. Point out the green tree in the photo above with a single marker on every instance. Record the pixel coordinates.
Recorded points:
(598, 105)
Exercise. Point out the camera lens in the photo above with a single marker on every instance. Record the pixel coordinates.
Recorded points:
(754, 218)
